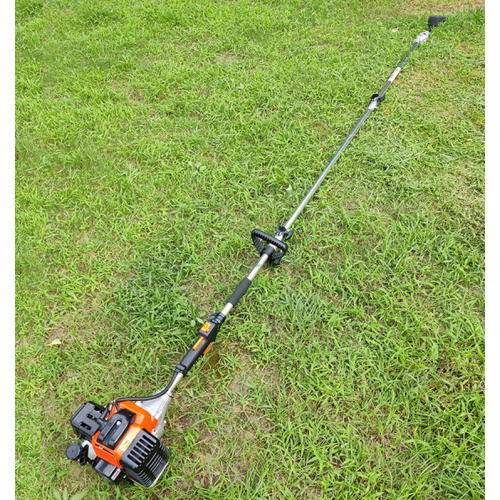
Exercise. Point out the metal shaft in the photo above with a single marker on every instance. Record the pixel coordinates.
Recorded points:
(371, 107)
(316, 185)
(422, 37)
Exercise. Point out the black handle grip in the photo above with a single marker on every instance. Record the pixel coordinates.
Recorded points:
(192, 356)
(275, 257)
(206, 335)
(258, 235)
(240, 291)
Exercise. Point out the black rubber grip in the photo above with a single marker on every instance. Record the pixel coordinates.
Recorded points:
(240, 291)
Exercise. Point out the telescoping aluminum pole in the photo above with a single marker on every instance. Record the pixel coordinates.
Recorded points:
(271, 248)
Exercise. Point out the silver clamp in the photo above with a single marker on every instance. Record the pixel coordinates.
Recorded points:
(374, 100)
(422, 37)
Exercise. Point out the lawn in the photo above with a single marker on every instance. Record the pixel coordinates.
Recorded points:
(151, 138)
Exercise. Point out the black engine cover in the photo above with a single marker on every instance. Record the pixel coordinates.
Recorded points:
(145, 459)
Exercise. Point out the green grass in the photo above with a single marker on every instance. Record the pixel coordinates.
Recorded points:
(151, 138)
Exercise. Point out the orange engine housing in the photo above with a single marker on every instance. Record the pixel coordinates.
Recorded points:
(142, 420)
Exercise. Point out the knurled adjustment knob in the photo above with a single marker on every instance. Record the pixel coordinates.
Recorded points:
(73, 451)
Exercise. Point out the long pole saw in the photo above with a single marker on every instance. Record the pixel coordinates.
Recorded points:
(122, 440)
